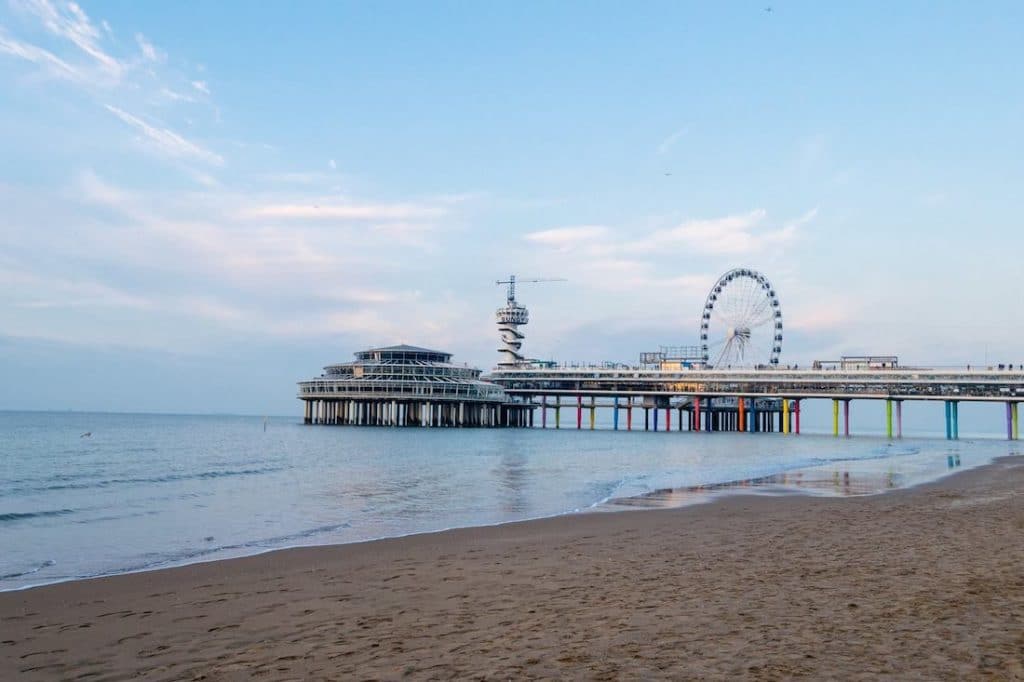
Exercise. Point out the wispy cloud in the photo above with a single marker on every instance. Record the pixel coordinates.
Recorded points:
(166, 141)
(347, 211)
(670, 141)
(149, 51)
(201, 86)
(67, 20)
(49, 62)
(565, 237)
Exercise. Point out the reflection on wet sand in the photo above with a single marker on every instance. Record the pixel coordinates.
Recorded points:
(833, 482)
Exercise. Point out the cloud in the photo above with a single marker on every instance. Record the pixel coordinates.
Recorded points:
(736, 234)
(201, 86)
(332, 165)
(69, 21)
(45, 59)
(167, 142)
(149, 52)
(567, 237)
(347, 211)
(670, 141)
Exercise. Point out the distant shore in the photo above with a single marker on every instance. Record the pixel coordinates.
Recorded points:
(925, 582)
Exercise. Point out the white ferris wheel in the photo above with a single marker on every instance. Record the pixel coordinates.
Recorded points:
(741, 325)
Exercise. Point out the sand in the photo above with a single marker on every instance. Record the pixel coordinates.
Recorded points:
(923, 584)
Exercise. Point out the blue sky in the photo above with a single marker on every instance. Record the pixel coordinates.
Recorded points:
(204, 202)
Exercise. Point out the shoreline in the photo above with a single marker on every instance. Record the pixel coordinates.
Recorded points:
(923, 581)
(654, 500)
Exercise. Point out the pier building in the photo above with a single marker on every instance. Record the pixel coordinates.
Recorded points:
(407, 386)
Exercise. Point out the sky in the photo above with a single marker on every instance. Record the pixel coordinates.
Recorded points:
(206, 202)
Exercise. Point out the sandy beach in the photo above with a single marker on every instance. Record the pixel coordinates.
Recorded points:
(926, 583)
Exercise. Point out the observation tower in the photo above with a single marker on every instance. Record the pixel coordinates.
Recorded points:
(510, 318)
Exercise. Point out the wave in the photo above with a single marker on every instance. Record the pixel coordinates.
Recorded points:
(45, 564)
(167, 478)
(21, 516)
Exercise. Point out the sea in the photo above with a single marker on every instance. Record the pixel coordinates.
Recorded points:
(84, 494)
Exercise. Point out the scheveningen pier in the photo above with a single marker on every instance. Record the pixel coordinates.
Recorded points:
(732, 380)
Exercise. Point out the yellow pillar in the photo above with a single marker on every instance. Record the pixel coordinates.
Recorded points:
(785, 415)
(835, 417)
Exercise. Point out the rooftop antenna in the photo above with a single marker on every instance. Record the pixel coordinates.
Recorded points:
(510, 318)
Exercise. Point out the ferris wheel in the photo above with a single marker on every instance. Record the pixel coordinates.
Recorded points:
(742, 322)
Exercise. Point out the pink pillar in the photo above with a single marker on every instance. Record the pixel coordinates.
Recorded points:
(796, 416)
(846, 417)
(899, 419)
(668, 418)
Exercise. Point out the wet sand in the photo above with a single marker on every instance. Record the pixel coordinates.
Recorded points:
(926, 583)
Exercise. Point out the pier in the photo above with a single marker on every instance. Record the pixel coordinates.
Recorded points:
(750, 400)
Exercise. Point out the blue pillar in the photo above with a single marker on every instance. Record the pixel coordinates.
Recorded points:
(752, 416)
(956, 420)
(615, 419)
(949, 421)
(655, 418)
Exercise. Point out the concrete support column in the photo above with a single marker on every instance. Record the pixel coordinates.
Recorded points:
(544, 412)
(680, 427)
(1009, 421)
(647, 418)
(558, 411)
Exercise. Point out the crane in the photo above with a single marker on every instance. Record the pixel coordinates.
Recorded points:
(511, 282)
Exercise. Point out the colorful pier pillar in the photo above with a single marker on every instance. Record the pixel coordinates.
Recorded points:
(615, 418)
(899, 419)
(544, 412)
(579, 412)
(1016, 422)
(696, 413)
(888, 419)
(949, 420)
(593, 409)
(558, 411)
(629, 414)
(741, 415)
(785, 415)
(835, 417)
(668, 418)
(846, 417)
(796, 416)
(1009, 421)
(655, 418)
(956, 420)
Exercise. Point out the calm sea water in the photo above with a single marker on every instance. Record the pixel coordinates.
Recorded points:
(148, 491)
